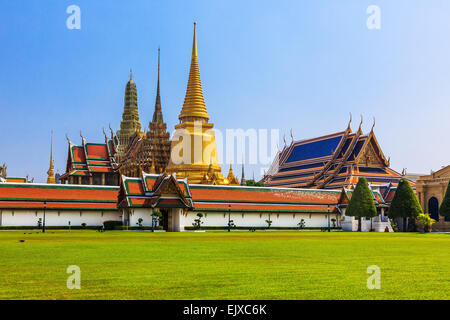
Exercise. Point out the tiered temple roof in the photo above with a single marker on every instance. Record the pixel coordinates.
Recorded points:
(332, 161)
(164, 190)
(91, 163)
(57, 196)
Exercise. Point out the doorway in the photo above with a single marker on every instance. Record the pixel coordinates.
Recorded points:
(433, 208)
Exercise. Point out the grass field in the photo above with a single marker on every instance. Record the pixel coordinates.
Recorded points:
(221, 265)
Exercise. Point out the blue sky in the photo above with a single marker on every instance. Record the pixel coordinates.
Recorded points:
(264, 64)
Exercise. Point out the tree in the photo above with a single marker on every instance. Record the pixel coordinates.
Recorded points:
(198, 222)
(361, 204)
(269, 223)
(405, 203)
(444, 209)
(156, 216)
(253, 183)
(139, 223)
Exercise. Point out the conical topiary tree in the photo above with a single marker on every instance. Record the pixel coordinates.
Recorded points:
(405, 203)
(444, 209)
(361, 204)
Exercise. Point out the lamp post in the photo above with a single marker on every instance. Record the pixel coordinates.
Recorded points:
(43, 222)
(329, 229)
(229, 218)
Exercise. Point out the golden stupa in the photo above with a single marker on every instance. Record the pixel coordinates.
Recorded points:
(194, 150)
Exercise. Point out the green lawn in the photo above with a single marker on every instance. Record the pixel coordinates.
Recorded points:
(221, 265)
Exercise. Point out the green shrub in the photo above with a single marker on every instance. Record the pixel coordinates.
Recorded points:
(112, 224)
(426, 221)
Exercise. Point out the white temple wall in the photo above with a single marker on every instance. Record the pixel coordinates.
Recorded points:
(144, 213)
(30, 217)
(220, 219)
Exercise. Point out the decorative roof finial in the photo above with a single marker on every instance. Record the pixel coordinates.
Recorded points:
(349, 122)
(292, 137)
(360, 124)
(110, 129)
(131, 74)
(373, 125)
(67, 138)
(104, 133)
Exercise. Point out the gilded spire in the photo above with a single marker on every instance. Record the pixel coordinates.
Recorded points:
(157, 114)
(194, 104)
(50, 172)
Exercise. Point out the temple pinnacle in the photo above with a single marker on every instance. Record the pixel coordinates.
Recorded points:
(50, 172)
(194, 104)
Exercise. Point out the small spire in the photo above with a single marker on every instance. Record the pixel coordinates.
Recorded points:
(243, 181)
(157, 114)
(50, 172)
(131, 74)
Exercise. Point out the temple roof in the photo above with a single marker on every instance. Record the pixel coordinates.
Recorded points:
(331, 161)
(166, 191)
(90, 157)
(153, 190)
(57, 196)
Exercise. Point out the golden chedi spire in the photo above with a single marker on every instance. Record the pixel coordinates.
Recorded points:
(194, 103)
(193, 149)
(51, 174)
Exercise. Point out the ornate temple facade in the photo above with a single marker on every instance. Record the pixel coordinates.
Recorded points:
(430, 190)
(138, 152)
(332, 161)
(194, 150)
(128, 152)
